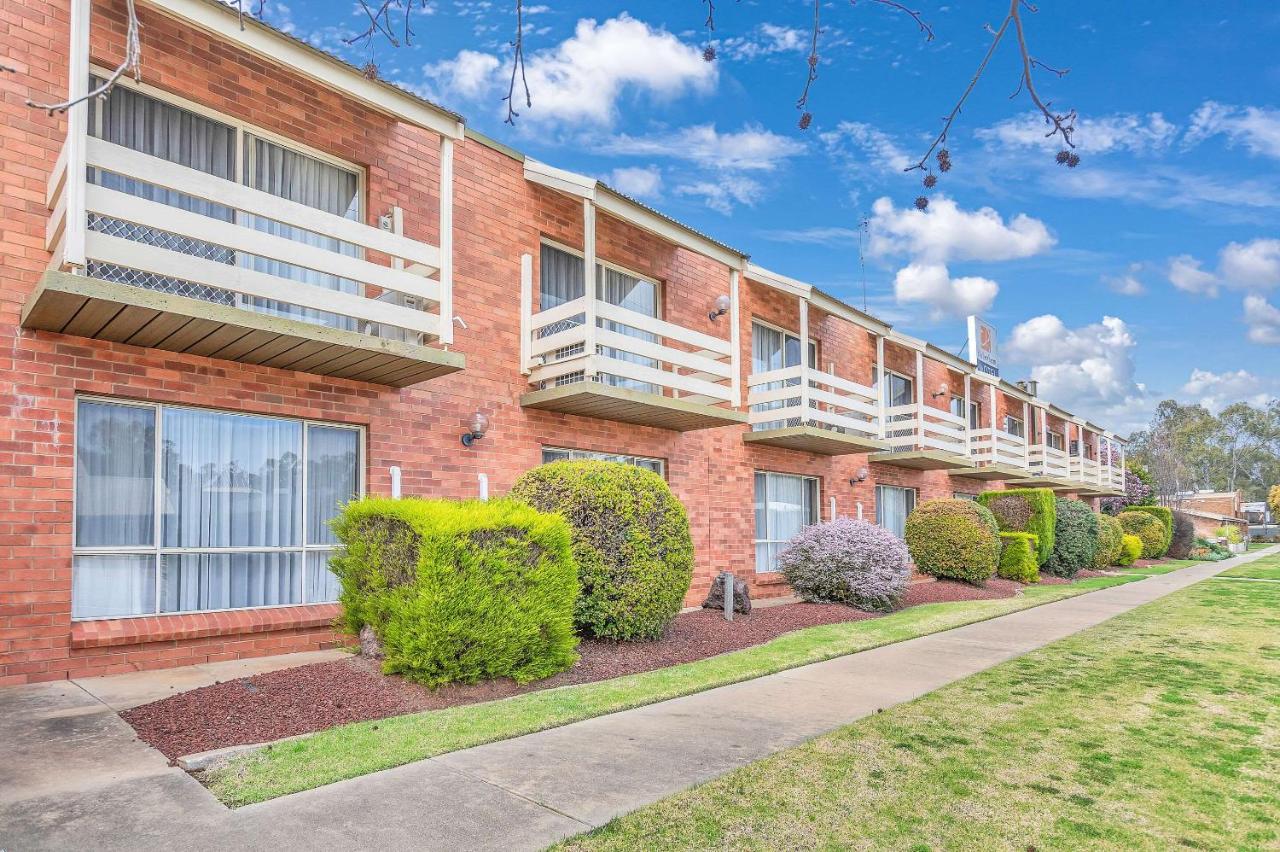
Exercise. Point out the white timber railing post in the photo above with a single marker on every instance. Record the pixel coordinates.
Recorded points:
(589, 286)
(968, 431)
(526, 313)
(920, 399)
(73, 238)
(804, 361)
(1026, 435)
(446, 240)
(735, 338)
(995, 431)
(881, 389)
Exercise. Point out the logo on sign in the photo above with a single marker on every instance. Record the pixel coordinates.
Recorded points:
(982, 346)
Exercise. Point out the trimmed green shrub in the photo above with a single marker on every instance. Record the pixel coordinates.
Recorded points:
(954, 539)
(1164, 515)
(630, 538)
(1018, 557)
(1231, 533)
(1209, 551)
(1110, 534)
(849, 562)
(459, 591)
(1146, 527)
(1029, 510)
(1130, 549)
(1184, 536)
(1075, 538)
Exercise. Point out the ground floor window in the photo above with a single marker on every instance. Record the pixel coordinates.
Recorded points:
(184, 509)
(893, 504)
(960, 495)
(785, 504)
(551, 454)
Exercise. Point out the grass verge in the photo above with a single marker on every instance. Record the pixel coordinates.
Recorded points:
(360, 748)
(1156, 570)
(1155, 730)
(1266, 568)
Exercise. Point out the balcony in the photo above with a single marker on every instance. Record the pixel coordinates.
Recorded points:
(1047, 467)
(628, 367)
(227, 271)
(925, 438)
(997, 454)
(1096, 478)
(802, 408)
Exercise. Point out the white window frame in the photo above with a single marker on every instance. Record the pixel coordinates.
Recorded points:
(596, 455)
(591, 284)
(816, 508)
(910, 380)
(156, 549)
(915, 500)
(1050, 436)
(1022, 427)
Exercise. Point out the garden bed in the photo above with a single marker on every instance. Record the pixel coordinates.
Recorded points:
(310, 698)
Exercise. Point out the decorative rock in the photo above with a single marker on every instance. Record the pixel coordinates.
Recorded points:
(741, 595)
(370, 644)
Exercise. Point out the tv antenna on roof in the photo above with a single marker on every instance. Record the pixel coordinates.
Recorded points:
(864, 235)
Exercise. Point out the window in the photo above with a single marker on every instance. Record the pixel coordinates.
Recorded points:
(224, 149)
(899, 390)
(1054, 439)
(561, 281)
(775, 349)
(1014, 426)
(960, 495)
(185, 509)
(893, 504)
(975, 416)
(785, 504)
(551, 454)
(957, 406)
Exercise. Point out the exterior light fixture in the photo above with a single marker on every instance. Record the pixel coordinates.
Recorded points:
(860, 476)
(943, 390)
(722, 307)
(478, 426)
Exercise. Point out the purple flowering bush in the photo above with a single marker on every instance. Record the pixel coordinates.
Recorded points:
(849, 562)
(1136, 493)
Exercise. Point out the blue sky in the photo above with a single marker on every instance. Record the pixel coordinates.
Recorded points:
(1151, 270)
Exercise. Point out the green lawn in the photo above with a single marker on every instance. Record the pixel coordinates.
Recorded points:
(1266, 568)
(1159, 729)
(363, 747)
(1162, 568)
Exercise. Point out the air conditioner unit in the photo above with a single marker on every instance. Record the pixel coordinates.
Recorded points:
(392, 332)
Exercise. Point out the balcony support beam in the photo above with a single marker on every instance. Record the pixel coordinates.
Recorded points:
(804, 355)
(735, 336)
(589, 282)
(73, 238)
(446, 240)
(881, 390)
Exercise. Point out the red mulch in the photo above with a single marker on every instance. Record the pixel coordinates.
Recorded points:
(1089, 572)
(310, 698)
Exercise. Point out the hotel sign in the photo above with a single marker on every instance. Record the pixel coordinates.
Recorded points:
(982, 346)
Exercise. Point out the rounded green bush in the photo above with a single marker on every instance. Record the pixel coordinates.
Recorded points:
(630, 538)
(1075, 538)
(459, 591)
(1146, 527)
(1164, 515)
(1029, 510)
(954, 539)
(1184, 536)
(1130, 550)
(1018, 557)
(1110, 534)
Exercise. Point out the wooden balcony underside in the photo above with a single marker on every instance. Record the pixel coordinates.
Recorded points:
(924, 460)
(1054, 483)
(814, 439)
(992, 472)
(606, 402)
(123, 313)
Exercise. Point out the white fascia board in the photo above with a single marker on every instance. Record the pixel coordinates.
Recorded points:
(561, 180)
(907, 340)
(222, 21)
(782, 283)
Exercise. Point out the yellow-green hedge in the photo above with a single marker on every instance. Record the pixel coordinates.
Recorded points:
(1018, 557)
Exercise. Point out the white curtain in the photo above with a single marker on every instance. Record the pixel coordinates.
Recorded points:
(784, 505)
(333, 461)
(892, 507)
(287, 174)
(113, 585)
(115, 475)
(772, 349)
(634, 294)
(195, 581)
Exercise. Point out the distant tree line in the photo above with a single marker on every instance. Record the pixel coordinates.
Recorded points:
(1185, 448)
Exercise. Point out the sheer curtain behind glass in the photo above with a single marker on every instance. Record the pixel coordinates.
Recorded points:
(634, 294)
(772, 349)
(784, 505)
(333, 462)
(892, 507)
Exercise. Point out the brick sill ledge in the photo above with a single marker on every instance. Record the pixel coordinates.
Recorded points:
(199, 625)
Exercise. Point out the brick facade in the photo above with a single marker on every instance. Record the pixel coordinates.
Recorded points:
(498, 217)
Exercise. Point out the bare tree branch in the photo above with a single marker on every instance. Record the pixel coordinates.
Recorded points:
(132, 63)
(920, 22)
(517, 64)
(806, 117)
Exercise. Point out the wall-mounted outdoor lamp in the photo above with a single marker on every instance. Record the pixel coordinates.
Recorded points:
(479, 425)
(722, 307)
(943, 390)
(860, 476)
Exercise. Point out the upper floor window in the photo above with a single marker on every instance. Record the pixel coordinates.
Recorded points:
(552, 454)
(1054, 440)
(957, 406)
(1014, 426)
(898, 389)
(184, 509)
(775, 349)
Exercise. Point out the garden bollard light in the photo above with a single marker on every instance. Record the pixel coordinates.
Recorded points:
(728, 596)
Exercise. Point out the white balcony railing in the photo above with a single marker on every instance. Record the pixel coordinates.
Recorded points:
(632, 350)
(810, 397)
(919, 427)
(996, 446)
(241, 247)
(1043, 460)
(1086, 470)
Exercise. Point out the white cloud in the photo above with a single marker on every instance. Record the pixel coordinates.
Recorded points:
(1256, 128)
(583, 78)
(1119, 132)
(1262, 320)
(721, 194)
(750, 149)
(1088, 370)
(1252, 265)
(819, 236)
(1215, 391)
(764, 40)
(639, 182)
(869, 144)
(945, 232)
(1128, 284)
(932, 284)
(1185, 274)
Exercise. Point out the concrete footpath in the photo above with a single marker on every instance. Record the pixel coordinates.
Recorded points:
(74, 777)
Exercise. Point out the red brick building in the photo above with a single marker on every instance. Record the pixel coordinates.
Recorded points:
(259, 283)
